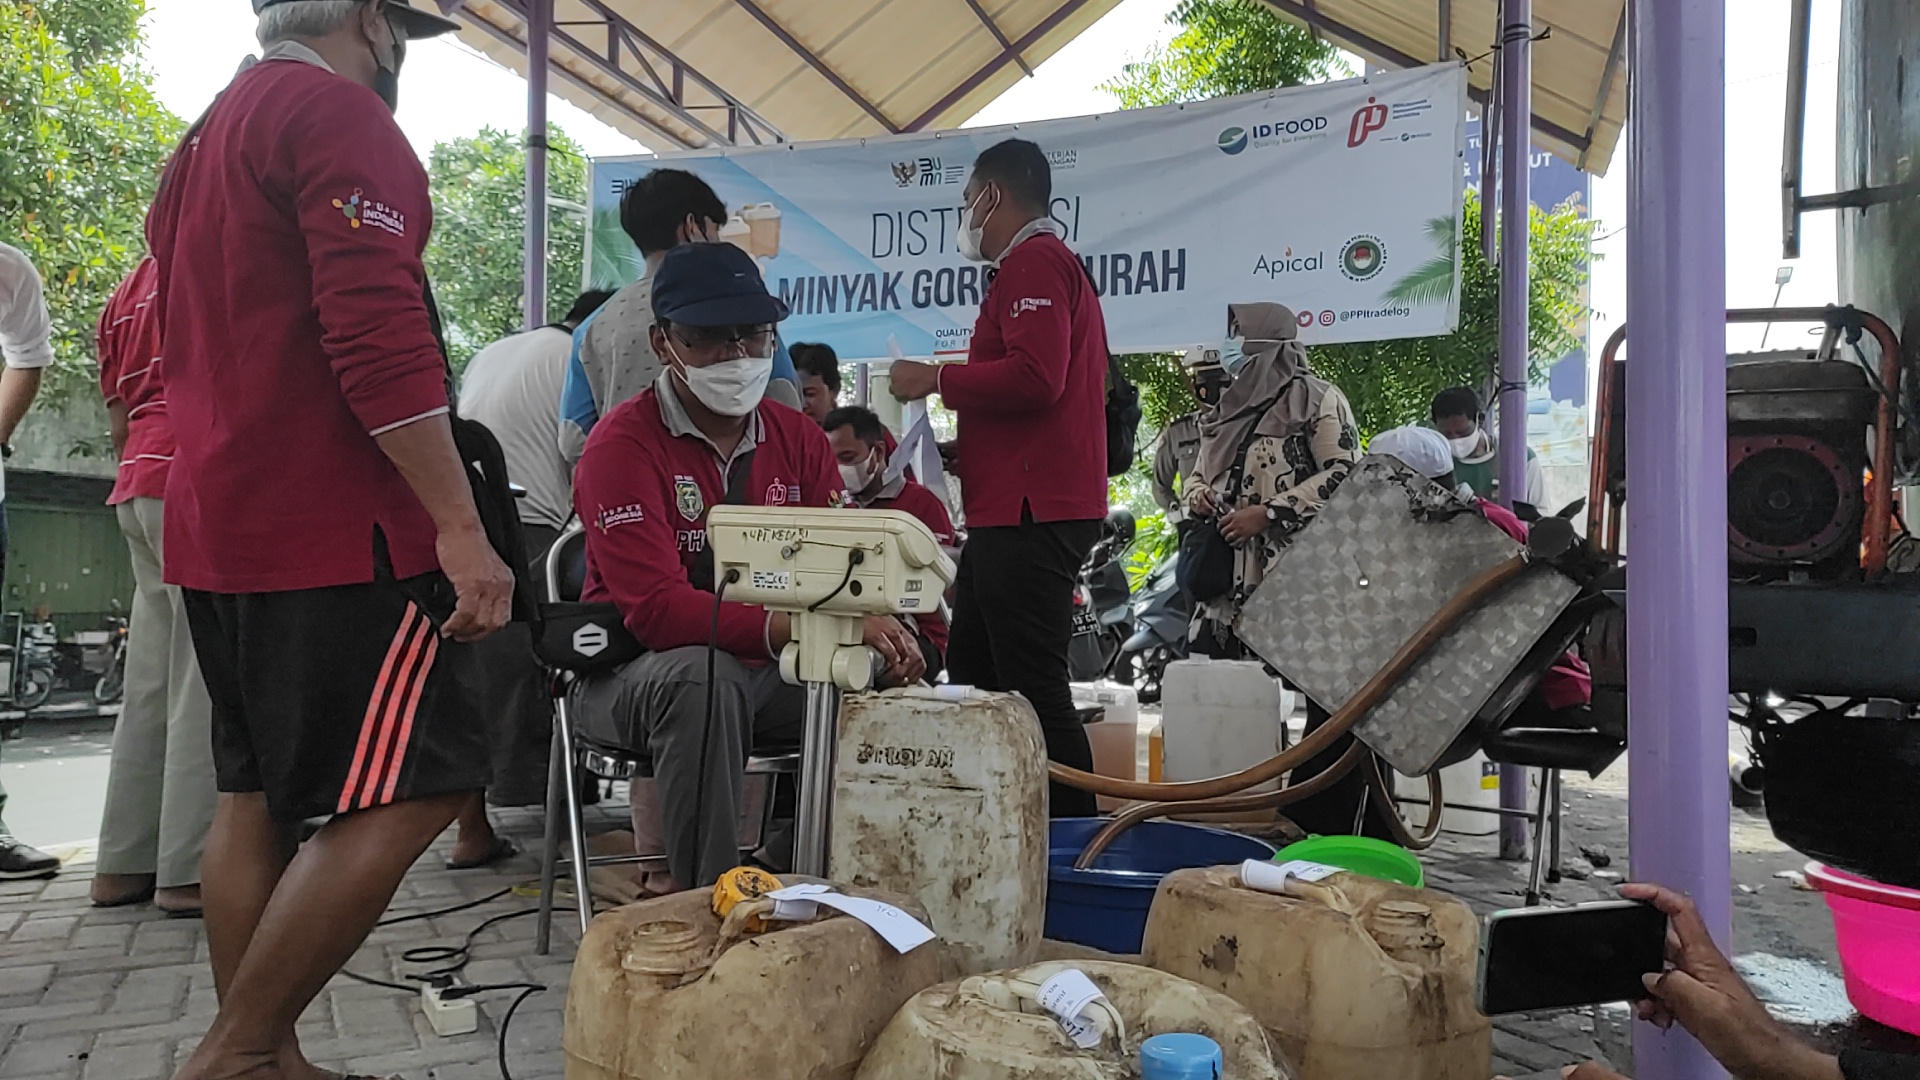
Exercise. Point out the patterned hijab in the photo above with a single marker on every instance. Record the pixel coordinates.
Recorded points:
(1276, 395)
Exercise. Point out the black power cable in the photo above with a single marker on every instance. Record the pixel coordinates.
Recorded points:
(453, 959)
(706, 732)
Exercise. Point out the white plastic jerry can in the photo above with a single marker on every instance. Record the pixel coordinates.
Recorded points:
(940, 795)
(1219, 717)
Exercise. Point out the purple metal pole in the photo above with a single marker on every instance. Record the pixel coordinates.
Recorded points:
(539, 36)
(1677, 807)
(1516, 146)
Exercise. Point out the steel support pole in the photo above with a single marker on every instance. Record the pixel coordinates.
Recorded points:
(1516, 149)
(813, 816)
(1677, 804)
(539, 38)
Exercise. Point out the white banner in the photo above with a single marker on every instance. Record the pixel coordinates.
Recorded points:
(1340, 200)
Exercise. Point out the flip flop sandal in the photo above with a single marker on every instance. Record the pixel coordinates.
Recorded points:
(501, 849)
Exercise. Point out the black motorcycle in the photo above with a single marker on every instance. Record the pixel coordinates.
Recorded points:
(1102, 616)
(1161, 613)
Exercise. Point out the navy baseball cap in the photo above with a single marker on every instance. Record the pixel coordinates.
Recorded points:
(713, 285)
(416, 23)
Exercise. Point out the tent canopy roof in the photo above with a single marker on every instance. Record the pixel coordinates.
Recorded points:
(692, 73)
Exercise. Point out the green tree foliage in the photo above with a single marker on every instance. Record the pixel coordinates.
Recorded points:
(1393, 382)
(1224, 47)
(81, 148)
(479, 223)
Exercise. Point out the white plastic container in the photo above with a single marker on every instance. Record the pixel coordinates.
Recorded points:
(1476, 782)
(994, 1027)
(1115, 737)
(1353, 978)
(940, 795)
(666, 990)
(1219, 717)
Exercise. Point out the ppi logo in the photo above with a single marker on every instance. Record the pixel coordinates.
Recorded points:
(1368, 119)
(1232, 141)
(1362, 258)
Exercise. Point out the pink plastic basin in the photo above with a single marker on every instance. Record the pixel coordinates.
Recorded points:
(1877, 928)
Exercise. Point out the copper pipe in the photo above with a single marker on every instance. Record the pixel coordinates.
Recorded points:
(1597, 494)
(1464, 603)
(1395, 824)
(1266, 800)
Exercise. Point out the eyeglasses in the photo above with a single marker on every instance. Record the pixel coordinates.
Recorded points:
(754, 339)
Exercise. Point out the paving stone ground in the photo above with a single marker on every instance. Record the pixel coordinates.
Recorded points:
(124, 994)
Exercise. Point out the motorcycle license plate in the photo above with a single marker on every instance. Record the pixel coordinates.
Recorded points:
(1084, 620)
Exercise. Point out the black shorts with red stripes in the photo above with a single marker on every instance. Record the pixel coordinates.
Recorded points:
(340, 699)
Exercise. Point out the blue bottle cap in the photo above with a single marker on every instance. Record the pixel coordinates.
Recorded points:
(1180, 1057)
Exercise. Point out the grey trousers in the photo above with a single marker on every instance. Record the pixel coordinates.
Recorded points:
(160, 788)
(656, 707)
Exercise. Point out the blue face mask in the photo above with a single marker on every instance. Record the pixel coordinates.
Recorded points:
(1233, 355)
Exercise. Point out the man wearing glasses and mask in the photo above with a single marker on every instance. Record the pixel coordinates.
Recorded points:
(701, 436)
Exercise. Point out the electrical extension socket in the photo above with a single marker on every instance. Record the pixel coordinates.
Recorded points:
(448, 1016)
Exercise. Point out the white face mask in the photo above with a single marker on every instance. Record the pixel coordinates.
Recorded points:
(1466, 444)
(859, 474)
(973, 235)
(729, 388)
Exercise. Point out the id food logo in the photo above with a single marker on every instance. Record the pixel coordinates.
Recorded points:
(1278, 133)
(1363, 258)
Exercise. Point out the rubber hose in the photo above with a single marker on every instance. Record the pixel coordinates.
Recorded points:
(1266, 800)
(1464, 603)
(1395, 823)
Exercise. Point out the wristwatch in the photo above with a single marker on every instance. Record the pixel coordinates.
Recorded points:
(6, 451)
(1273, 514)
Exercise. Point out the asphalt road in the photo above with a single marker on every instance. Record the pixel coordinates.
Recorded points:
(56, 781)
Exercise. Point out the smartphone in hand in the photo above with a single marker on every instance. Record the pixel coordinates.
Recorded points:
(1554, 958)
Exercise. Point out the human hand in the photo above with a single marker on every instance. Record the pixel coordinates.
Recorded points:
(482, 584)
(1243, 524)
(911, 380)
(897, 646)
(949, 454)
(1203, 503)
(1592, 1070)
(1706, 996)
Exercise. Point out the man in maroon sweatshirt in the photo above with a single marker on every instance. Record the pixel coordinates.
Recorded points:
(1032, 455)
(320, 521)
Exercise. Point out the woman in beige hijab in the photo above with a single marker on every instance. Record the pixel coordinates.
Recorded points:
(1271, 453)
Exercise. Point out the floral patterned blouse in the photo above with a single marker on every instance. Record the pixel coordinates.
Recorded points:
(1295, 476)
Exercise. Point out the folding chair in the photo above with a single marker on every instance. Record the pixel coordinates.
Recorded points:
(576, 639)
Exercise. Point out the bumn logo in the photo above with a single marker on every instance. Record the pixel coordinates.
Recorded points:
(591, 640)
(1368, 119)
(1233, 140)
(1362, 258)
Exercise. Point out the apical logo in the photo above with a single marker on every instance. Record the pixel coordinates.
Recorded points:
(1233, 140)
(1363, 257)
(1368, 119)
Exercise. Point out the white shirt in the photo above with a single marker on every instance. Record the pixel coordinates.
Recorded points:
(513, 387)
(24, 326)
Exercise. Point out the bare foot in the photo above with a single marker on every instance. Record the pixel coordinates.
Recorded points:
(295, 1066)
(210, 1063)
(119, 890)
(181, 900)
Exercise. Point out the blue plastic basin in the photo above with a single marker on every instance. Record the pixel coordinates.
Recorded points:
(1105, 906)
